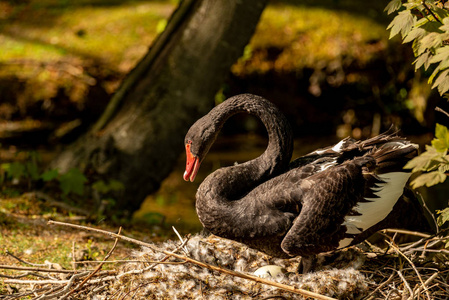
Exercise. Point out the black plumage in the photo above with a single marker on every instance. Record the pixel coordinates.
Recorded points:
(325, 200)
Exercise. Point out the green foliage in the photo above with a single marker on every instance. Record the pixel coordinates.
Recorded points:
(50, 175)
(72, 182)
(30, 171)
(443, 217)
(111, 186)
(426, 25)
(434, 162)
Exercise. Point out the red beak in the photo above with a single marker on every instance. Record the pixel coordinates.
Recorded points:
(192, 165)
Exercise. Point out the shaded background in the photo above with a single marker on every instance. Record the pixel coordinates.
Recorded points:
(327, 64)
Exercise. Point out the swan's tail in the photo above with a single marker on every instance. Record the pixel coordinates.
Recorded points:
(384, 185)
(392, 156)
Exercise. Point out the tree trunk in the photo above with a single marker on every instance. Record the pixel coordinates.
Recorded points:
(170, 88)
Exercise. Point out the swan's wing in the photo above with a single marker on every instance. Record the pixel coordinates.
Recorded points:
(330, 197)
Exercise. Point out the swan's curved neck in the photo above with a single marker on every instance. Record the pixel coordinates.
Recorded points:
(227, 185)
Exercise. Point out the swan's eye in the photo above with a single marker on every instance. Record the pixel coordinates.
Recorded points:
(189, 142)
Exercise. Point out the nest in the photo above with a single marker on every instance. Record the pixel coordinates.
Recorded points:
(201, 267)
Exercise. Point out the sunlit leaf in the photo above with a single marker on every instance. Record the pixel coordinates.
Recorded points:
(443, 168)
(393, 6)
(402, 23)
(440, 54)
(441, 141)
(434, 73)
(423, 59)
(425, 161)
(443, 217)
(442, 82)
(428, 179)
(431, 40)
(441, 13)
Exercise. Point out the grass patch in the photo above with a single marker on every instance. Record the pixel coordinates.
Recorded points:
(292, 37)
(118, 35)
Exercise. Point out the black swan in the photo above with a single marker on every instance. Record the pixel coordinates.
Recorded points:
(328, 199)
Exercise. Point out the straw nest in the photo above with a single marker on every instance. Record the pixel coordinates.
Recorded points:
(214, 268)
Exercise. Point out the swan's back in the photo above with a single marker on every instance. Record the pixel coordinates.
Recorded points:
(382, 183)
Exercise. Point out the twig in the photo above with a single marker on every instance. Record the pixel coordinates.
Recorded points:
(36, 269)
(403, 231)
(25, 262)
(381, 285)
(429, 280)
(96, 269)
(20, 295)
(180, 238)
(424, 205)
(202, 264)
(119, 261)
(413, 266)
(410, 292)
(429, 250)
(442, 111)
(27, 274)
(431, 12)
(134, 272)
(73, 256)
(55, 281)
(63, 290)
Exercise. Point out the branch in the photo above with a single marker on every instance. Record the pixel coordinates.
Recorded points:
(403, 231)
(431, 12)
(441, 111)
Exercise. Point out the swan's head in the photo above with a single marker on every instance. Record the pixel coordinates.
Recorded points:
(198, 141)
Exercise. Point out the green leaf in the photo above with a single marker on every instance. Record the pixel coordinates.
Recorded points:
(393, 6)
(72, 182)
(423, 59)
(32, 170)
(415, 33)
(116, 185)
(440, 54)
(443, 217)
(443, 168)
(434, 73)
(402, 23)
(431, 40)
(100, 186)
(16, 170)
(50, 175)
(441, 132)
(423, 162)
(428, 179)
(442, 82)
(441, 13)
(112, 185)
(441, 140)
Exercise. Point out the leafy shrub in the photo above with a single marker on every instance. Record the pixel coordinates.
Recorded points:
(426, 25)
